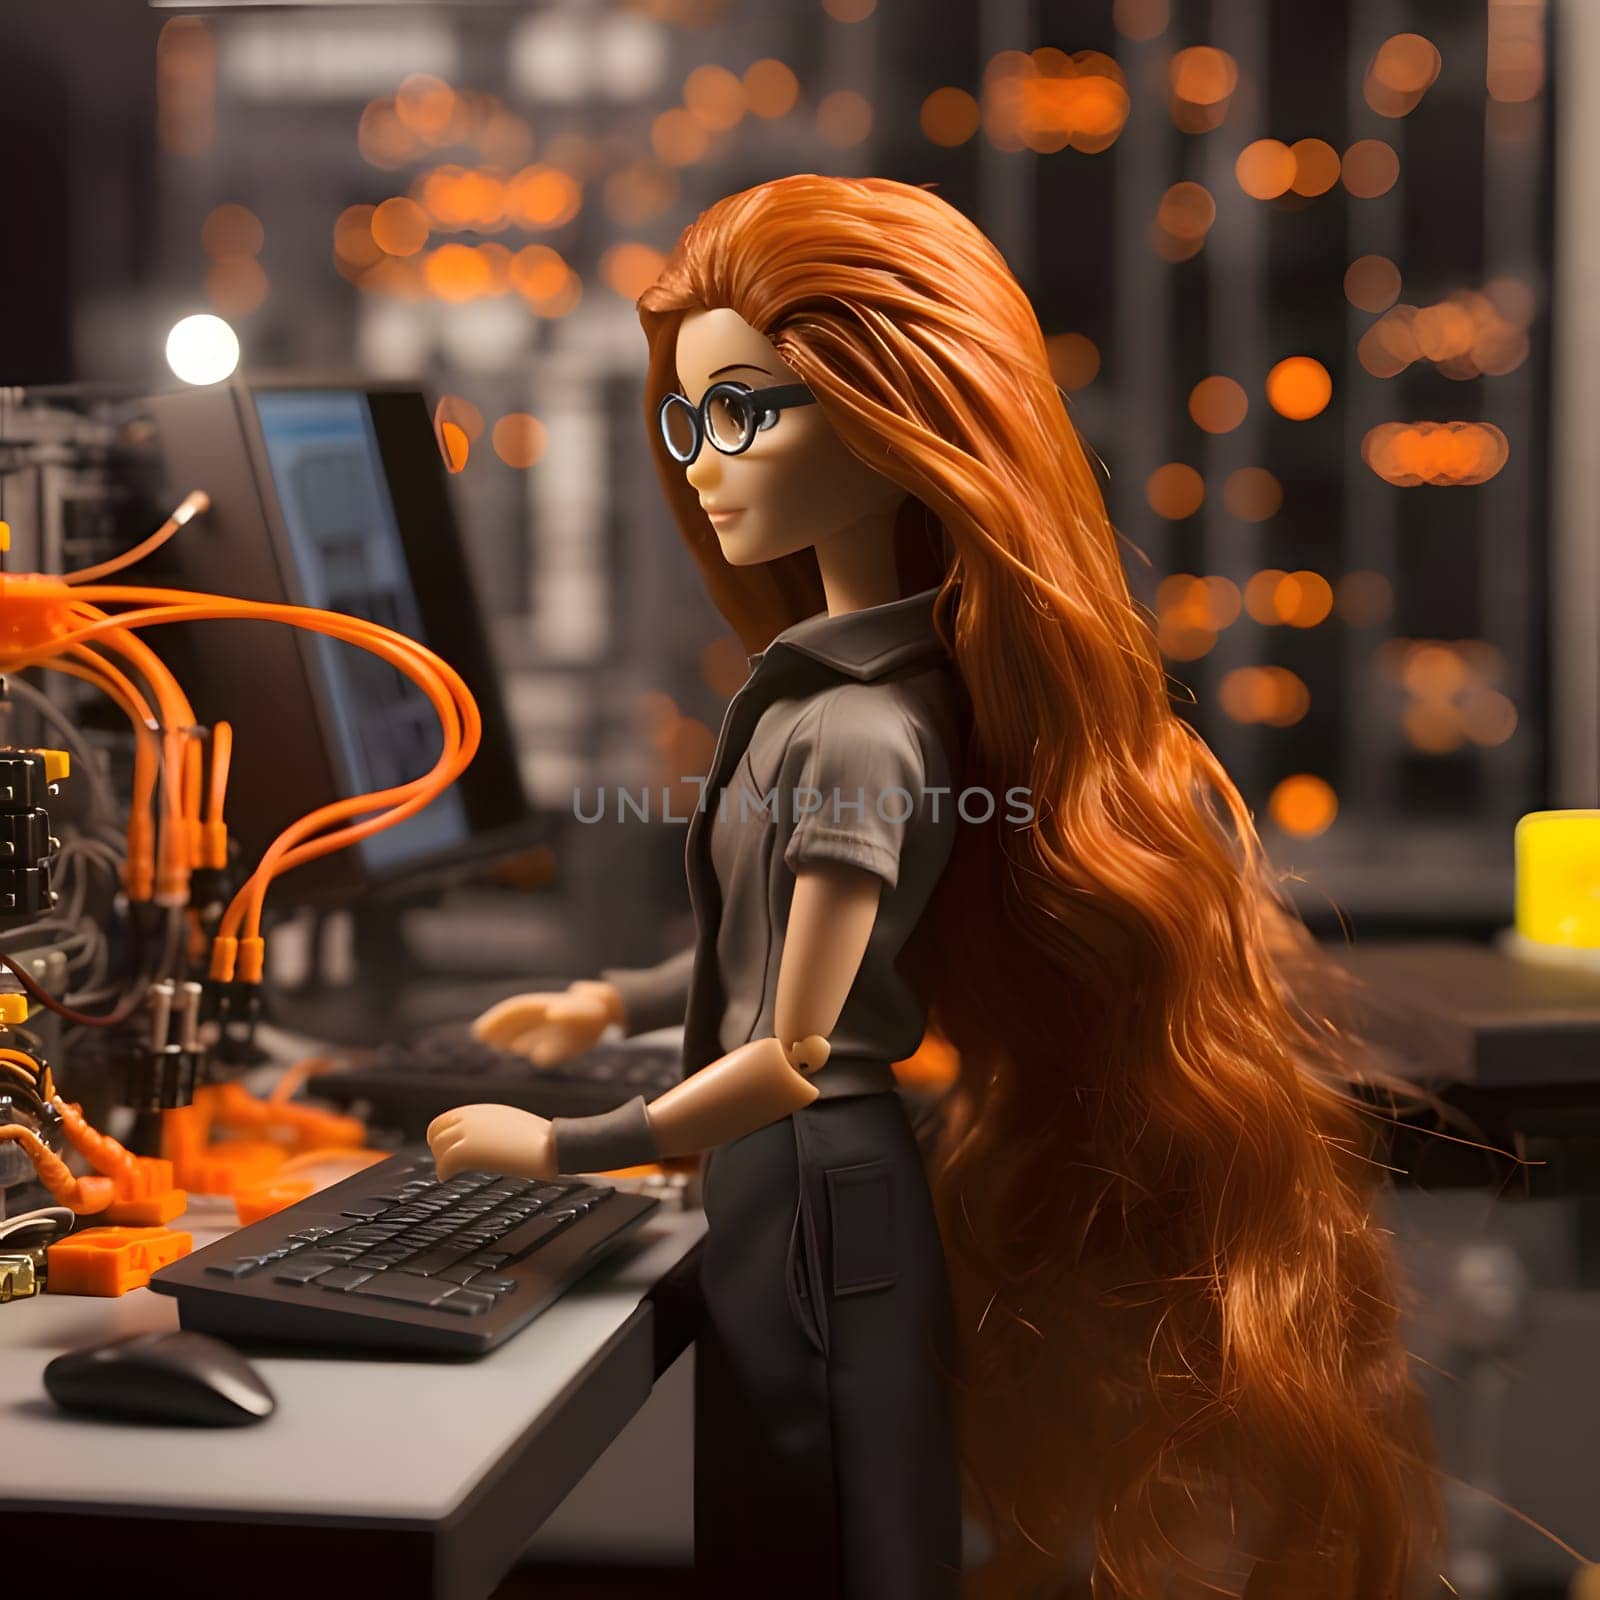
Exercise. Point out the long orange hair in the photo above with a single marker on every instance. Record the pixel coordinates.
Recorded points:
(1180, 1363)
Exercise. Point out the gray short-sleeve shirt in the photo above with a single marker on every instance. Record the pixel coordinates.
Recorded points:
(837, 749)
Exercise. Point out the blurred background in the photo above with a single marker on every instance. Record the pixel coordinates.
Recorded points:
(1317, 281)
(1298, 267)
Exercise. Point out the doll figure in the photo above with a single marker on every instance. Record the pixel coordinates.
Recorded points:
(1136, 1273)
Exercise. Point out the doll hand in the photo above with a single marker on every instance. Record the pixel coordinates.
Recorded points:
(548, 1028)
(492, 1139)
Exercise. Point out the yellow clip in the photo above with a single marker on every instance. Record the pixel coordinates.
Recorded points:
(57, 765)
(5, 537)
(13, 1010)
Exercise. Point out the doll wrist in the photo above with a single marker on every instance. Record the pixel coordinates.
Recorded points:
(603, 1143)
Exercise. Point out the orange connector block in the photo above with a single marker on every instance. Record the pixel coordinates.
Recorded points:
(111, 1261)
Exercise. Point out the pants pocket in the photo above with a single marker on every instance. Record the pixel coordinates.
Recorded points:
(861, 1228)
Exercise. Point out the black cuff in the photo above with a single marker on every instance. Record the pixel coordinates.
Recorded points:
(620, 1138)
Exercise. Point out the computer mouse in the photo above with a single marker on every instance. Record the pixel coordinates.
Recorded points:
(161, 1377)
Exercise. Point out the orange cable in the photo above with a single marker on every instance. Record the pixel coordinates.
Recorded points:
(191, 505)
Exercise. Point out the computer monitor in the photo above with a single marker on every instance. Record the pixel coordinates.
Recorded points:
(332, 496)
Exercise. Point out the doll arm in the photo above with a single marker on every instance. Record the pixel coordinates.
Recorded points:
(830, 920)
(652, 997)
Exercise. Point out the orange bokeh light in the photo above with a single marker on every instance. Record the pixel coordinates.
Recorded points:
(950, 117)
(456, 272)
(849, 10)
(1372, 283)
(518, 439)
(640, 192)
(543, 197)
(1140, 19)
(678, 137)
(1261, 595)
(1437, 453)
(1218, 404)
(425, 106)
(353, 245)
(1265, 169)
(770, 87)
(1252, 494)
(538, 272)
(1182, 221)
(232, 230)
(1371, 168)
(400, 227)
(1316, 166)
(715, 98)
(1074, 359)
(1175, 491)
(631, 268)
(1299, 388)
(1364, 599)
(1271, 695)
(236, 285)
(844, 118)
(383, 139)
(1202, 80)
(454, 446)
(1303, 806)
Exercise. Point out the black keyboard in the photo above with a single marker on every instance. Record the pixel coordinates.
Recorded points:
(393, 1259)
(405, 1086)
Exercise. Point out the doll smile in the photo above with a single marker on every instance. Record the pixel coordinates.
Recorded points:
(724, 515)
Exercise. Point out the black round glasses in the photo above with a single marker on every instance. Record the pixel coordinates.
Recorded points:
(729, 415)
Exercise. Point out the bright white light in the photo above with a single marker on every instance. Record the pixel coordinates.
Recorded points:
(202, 349)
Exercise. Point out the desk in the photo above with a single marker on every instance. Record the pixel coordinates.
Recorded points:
(401, 1477)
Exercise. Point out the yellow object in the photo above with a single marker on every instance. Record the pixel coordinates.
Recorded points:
(13, 1010)
(57, 765)
(1558, 878)
(21, 1271)
(5, 536)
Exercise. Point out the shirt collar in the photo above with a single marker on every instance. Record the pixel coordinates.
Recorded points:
(865, 644)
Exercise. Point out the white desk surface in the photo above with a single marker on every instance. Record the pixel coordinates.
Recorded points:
(396, 1442)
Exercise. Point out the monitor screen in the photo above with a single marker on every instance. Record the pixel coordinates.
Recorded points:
(348, 556)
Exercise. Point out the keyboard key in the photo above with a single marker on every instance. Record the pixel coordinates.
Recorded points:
(489, 1284)
(462, 1272)
(301, 1271)
(467, 1303)
(530, 1235)
(364, 1208)
(343, 1278)
(435, 1261)
(407, 1288)
(241, 1267)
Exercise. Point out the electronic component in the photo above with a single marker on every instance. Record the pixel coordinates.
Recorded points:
(407, 1085)
(394, 1259)
(111, 1261)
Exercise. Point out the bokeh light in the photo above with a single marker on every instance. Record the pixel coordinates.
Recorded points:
(1074, 359)
(1401, 72)
(1175, 491)
(202, 349)
(518, 439)
(844, 118)
(678, 138)
(1514, 67)
(236, 285)
(950, 117)
(232, 230)
(400, 227)
(1437, 453)
(849, 10)
(1363, 599)
(1316, 167)
(1182, 221)
(630, 268)
(1271, 695)
(1303, 805)
(770, 87)
(1371, 168)
(1265, 168)
(1299, 388)
(1218, 404)
(715, 97)
(1372, 283)
(1140, 19)
(1252, 494)
(640, 192)
(1202, 80)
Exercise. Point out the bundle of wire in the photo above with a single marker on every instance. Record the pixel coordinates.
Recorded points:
(61, 624)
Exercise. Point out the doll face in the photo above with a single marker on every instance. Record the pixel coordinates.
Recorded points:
(798, 485)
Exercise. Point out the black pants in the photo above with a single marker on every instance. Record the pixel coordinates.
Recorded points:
(825, 1463)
